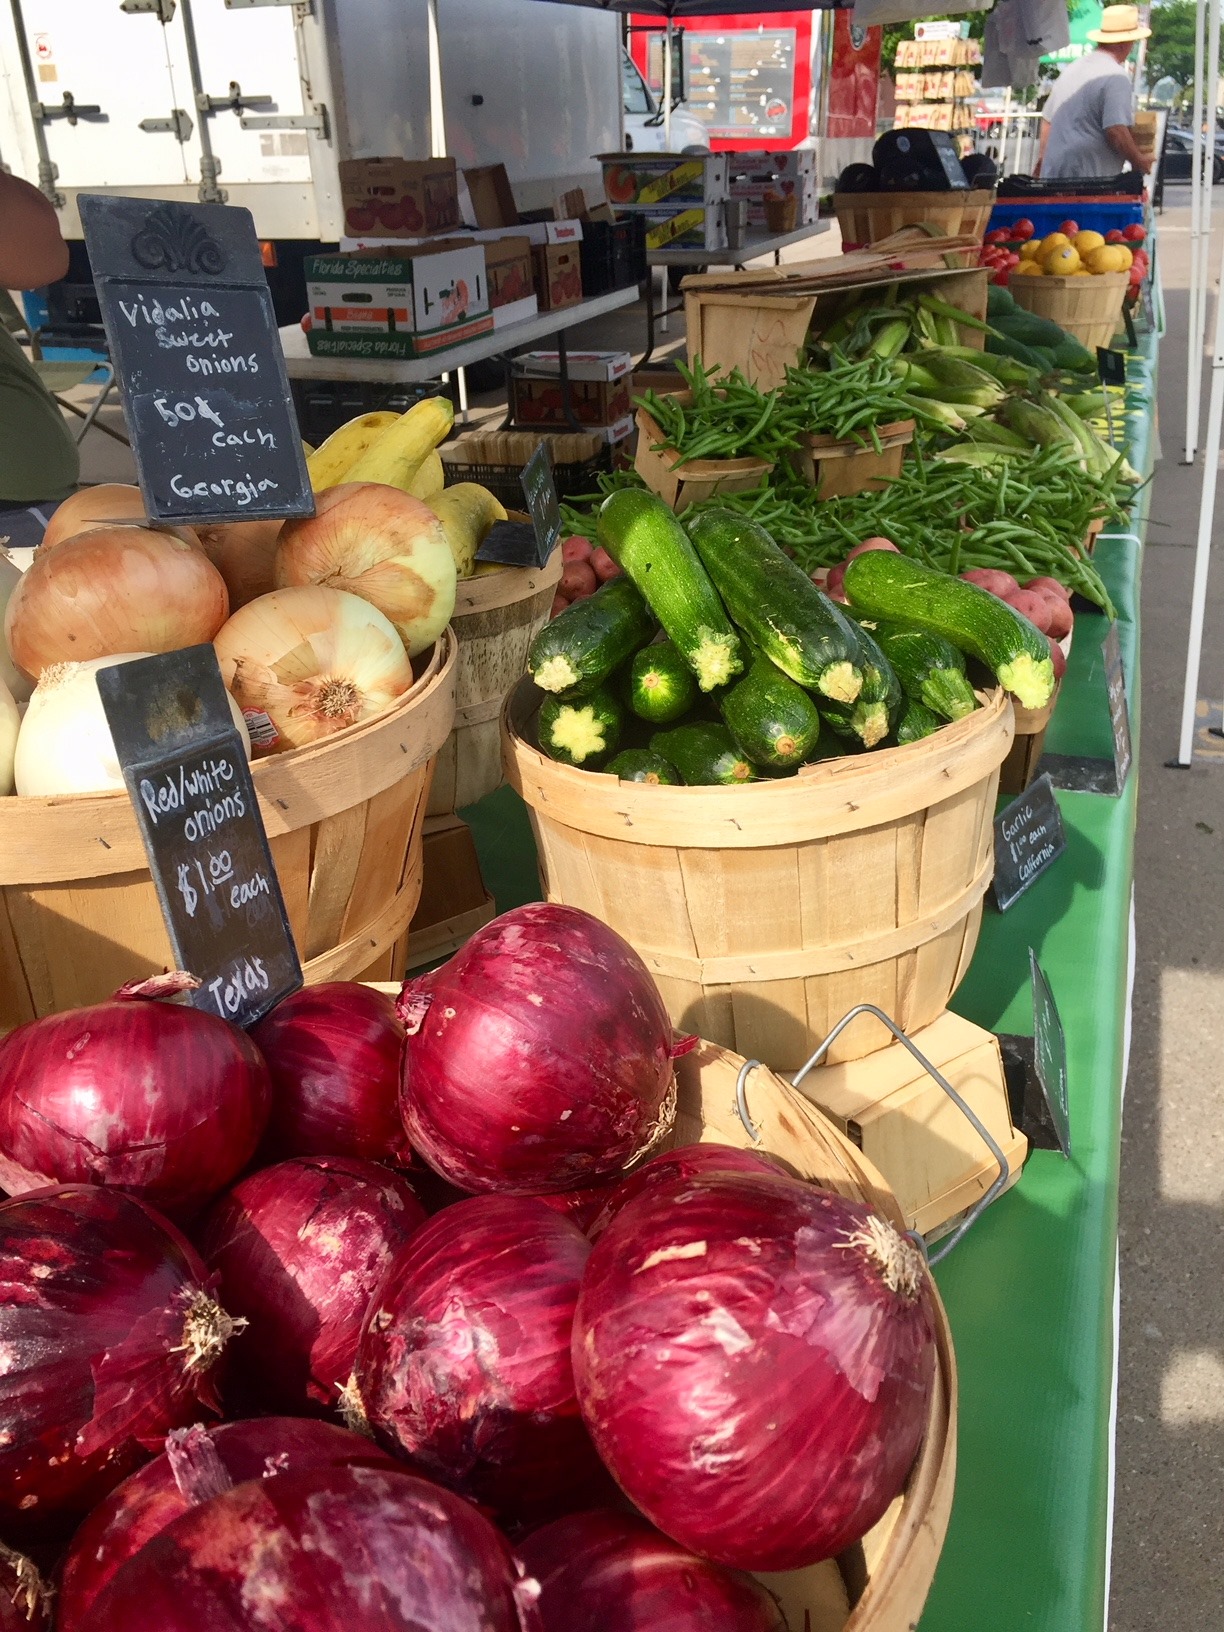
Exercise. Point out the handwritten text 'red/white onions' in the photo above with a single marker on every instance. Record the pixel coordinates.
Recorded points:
(204, 798)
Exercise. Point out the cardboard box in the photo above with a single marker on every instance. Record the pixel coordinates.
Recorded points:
(558, 275)
(760, 175)
(405, 304)
(509, 270)
(580, 365)
(646, 179)
(693, 227)
(596, 403)
(491, 197)
(518, 311)
(399, 198)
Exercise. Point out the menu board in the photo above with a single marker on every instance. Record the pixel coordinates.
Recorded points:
(739, 83)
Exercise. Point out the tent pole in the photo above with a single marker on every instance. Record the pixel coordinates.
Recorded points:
(667, 84)
(437, 113)
(1211, 71)
(1198, 317)
(1207, 494)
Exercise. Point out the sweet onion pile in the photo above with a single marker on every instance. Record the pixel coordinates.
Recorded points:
(746, 1359)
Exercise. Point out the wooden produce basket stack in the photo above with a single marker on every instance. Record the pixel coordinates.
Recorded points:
(79, 912)
(837, 469)
(865, 218)
(680, 484)
(1089, 308)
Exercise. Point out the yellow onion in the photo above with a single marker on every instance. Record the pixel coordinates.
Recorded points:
(382, 544)
(91, 507)
(10, 725)
(65, 743)
(244, 553)
(113, 589)
(314, 660)
(20, 685)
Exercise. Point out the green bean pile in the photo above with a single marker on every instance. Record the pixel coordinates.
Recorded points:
(848, 400)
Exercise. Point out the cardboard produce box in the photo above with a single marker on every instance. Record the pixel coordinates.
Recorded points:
(761, 175)
(693, 227)
(599, 388)
(646, 179)
(509, 270)
(558, 275)
(409, 303)
(399, 198)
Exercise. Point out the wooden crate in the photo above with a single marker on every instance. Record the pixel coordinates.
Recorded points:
(864, 218)
(900, 1118)
(759, 323)
(1088, 308)
(680, 485)
(836, 469)
(454, 902)
(496, 617)
(78, 909)
(765, 911)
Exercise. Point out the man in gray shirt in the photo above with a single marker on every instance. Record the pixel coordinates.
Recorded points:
(1087, 119)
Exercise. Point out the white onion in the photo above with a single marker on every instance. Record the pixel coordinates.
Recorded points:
(10, 725)
(313, 660)
(65, 744)
(19, 685)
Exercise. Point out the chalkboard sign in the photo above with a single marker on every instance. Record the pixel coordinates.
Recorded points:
(1050, 1053)
(510, 544)
(1029, 838)
(190, 785)
(543, 505)
(193, 338)
(1111, 366)
(1119, 713)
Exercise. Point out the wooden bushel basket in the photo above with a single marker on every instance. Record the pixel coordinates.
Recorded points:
(766, 911)
(79, 914)
(680, 485)
(837, 469)
(497, 616)
(865, 218)
(881, 1584)
(1088, 308)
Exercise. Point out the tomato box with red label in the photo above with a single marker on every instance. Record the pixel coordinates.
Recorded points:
(397, 303)
(399, 198)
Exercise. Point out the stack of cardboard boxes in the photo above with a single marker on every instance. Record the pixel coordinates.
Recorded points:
(681, 197)
(756, 177)
(599, 388)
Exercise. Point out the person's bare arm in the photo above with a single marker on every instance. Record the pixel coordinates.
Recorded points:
(32, 248)
(1125, 146)
(1045, 142)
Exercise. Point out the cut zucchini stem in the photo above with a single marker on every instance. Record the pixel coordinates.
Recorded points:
(580, 732)
(842, 682)
(870, 722)
(715, 658)
(556, 674)
(1030, 682)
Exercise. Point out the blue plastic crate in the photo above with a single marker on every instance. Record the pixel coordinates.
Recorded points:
(1048, 214)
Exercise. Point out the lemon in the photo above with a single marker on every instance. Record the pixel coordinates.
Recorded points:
(1030, 249)
(1087, 241)
(1027, 269)
(1051, 242)
(1125, 259)
(1105, 259)
(1062, 262)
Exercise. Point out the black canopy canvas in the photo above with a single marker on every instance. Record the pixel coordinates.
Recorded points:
(704, 8)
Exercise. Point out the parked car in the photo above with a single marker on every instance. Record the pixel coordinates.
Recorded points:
(644, 131)
(1179, 155)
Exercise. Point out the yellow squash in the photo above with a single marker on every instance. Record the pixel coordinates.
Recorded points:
(402, 448)
(429, 480)
(466, 512)
(329, 462)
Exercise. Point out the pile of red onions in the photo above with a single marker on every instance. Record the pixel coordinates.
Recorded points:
(298, 1250)
(539, 1058)
(605, 1571)
(109, 1340)
(159, 1099)
(754, 1358)
(464, 1364)
(176, 1481)
(366, 1549)
(334, 1055)
(688, 1162)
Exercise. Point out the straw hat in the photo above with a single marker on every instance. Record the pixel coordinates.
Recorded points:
(1119, 24)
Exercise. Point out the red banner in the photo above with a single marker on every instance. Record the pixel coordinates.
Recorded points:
(854, 84)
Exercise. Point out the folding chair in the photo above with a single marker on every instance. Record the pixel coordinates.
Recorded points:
(63, 376)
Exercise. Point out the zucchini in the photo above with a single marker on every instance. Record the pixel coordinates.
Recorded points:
(874, 711)
(916, 721)
(583, 644)
(660, 686)
(773, 721)
(581, 731)
(642, 765)
(778, 606)
(704, 754)
(885, 585)
(643, 537)
(931, 670)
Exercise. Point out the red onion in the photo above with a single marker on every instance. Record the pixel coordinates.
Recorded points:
(538, 1058)
(363, 1549)
(298, 1250)
(580, 1206)
(686, 1162)
(755, 1358)
(162, 1100)
(25, 1599)
(464, 1363)
(162, 1491)
(334, 1054)
(108, 1338)
(607, 1571)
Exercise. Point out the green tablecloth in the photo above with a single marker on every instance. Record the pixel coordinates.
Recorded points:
(1030, 1290)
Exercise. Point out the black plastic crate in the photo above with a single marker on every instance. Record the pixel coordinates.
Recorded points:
(496, 461)
(613, 255)
(324, 405)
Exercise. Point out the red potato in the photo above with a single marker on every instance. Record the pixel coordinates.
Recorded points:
(1049, 586)
(1061, 619)
(578, 580)
(1058, 658)
(872, 544)
(1036, 608)
(833, 583)
(559, 604)
(605, 567)
(576, 548)
(998, 583)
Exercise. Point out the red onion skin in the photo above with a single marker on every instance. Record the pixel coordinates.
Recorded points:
(751, 1382)
(686, 1162)
(95, 1290)
(24, 1598)
(299, 1249)
(464, 1365)
(607, 1571)
(334, 1055)
(581, 1206)
(543, 1060)
(162, 1100)
(150, 1499)
(363, 1549)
